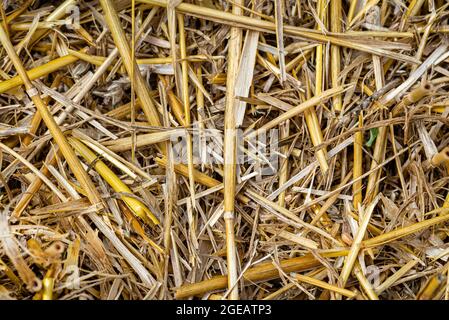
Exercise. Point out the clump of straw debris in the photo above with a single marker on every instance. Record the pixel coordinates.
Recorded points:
(259, 149)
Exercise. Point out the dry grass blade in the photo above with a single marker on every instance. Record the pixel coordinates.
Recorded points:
(230, 154)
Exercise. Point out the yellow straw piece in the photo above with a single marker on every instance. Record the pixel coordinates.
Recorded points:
(38, 72)
(136, 206)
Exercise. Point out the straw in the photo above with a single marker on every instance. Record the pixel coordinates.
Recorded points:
(224, 150)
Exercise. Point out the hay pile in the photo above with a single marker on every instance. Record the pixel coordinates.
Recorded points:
(159, 149)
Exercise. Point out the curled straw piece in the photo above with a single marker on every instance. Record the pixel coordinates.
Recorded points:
(136, 206)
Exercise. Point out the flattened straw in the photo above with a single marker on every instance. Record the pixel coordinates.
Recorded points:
(125, 144)
(325, 285)
(302, 241)
(246, 73)
(230, 153)
(396, 276)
